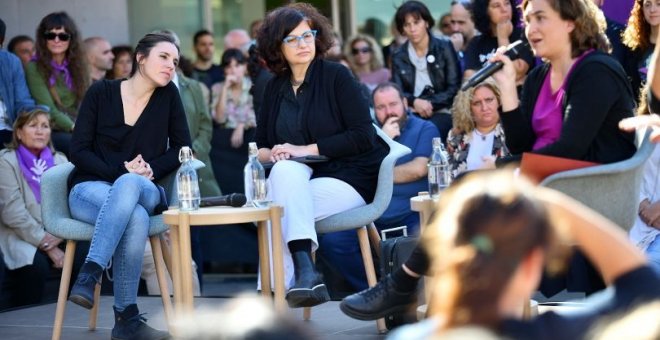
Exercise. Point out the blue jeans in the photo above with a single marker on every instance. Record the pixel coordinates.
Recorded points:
(653, 254)
(120, 214)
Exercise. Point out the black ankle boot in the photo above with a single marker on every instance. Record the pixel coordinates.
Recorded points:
(383, 299)
(309, 289)
(82, 292)
(129, 324)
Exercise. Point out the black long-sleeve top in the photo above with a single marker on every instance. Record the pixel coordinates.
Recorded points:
(597, 96)
(334, 115)
(102, 142)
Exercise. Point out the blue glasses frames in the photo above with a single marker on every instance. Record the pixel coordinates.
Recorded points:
(294, 40)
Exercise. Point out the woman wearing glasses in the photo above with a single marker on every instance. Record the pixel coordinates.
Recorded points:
(366, 60)
(313, 107)
(29, 251)
(57, 76)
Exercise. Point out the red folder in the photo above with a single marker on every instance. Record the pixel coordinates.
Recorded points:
(537, 167)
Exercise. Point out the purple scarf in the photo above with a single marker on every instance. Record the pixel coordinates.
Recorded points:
(64, 70)
(33, 167)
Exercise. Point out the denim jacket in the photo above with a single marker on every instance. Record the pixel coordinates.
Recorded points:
(444, 71)
(13, 88)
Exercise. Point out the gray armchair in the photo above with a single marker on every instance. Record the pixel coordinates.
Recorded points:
(610, 189)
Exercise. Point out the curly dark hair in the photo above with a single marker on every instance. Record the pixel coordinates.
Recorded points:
(280, 22)
(482, 20)
(75, 54)
(589, 31)
(415, 8)
(637, 35)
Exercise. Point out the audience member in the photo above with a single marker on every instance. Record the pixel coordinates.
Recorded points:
(337, 45)
(99, 57)
(614, 32)
(489, 243)
(118, 154)
(477, 138)
(205, 71)
(239, 39)
(23, 47)
(303, 108)
(425, 67)
(366, 61)
(57, 76)
(397, 40)
(122, 63)
(29, 251)
(410, 172)
(462, 24)
(444, 25)
(640, 36)
(14, 94)
(497, 21)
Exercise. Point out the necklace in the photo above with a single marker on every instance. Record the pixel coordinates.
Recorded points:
(482, 135)
(296, 83)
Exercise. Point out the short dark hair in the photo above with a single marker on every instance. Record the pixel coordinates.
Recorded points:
(280, 22)
(200, 34)
(482, 20)
(387, 85)
(232, 54)
(417, 10)
(148, 42)
(11, 47)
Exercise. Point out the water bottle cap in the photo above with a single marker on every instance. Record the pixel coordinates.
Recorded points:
(185, 154)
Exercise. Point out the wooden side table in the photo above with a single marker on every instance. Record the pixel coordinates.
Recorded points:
(180, 222)
(424, 205)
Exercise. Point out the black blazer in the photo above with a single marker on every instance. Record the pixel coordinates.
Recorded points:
(597, 97)
(336, 118)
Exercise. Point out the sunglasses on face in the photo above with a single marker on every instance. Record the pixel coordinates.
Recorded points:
(363, 50)
(61, 36)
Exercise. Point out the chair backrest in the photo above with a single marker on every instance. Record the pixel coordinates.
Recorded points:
(610, 189)
(361, 216)
(55, 211)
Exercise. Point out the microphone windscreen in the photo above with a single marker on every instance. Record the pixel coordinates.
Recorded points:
(237, 200)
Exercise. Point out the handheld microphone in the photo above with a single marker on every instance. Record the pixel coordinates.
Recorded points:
(512, 51)
(233, 200)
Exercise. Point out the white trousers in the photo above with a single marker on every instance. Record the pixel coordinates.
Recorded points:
(305, 201)
(149, 274)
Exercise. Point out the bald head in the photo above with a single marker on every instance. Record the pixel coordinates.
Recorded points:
(237, 38)
(99, 56)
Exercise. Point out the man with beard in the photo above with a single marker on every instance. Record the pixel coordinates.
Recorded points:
(99, 57)
(410, 172)
(205, 70)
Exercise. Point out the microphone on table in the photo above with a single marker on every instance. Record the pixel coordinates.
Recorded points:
(512, 51)
(233, 200)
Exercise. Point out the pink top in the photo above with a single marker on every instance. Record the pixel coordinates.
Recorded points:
(548, 116)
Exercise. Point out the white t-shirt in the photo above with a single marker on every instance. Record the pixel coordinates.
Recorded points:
(481, 145)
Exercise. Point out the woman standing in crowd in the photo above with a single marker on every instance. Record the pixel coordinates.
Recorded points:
(57, 76)
(366, 60)
(28, 250)
(312, 107)
(122, 64)
(640, 36)
(128, 135)
(425, 67)
(477, 138)
(489, 244)
(497, 21)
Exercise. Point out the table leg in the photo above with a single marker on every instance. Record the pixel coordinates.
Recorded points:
(186, 262)
(278, 258)
(264, 258)
(176, 270)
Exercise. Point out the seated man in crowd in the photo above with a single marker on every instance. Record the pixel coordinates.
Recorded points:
(410, 178)
(99, 57)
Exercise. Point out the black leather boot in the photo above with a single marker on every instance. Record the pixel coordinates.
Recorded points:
(130, 325)
(309, 289)
(82, 292)
(378, 301)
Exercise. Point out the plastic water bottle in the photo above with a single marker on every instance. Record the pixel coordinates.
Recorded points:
(254, 178)
(187, 185)
(439, 171)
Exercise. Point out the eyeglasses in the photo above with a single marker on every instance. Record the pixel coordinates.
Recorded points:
(294, 40)
(363, 50)
(62, 36)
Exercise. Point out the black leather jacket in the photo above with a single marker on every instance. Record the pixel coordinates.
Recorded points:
(444, 69)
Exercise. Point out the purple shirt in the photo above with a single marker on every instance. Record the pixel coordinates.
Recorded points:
(548, 112)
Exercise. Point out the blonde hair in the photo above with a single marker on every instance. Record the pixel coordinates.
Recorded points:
(461, 111)
(376, 61)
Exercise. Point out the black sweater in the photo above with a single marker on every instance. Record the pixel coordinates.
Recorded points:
(335, 116)
(101, 141)
(597, 97)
